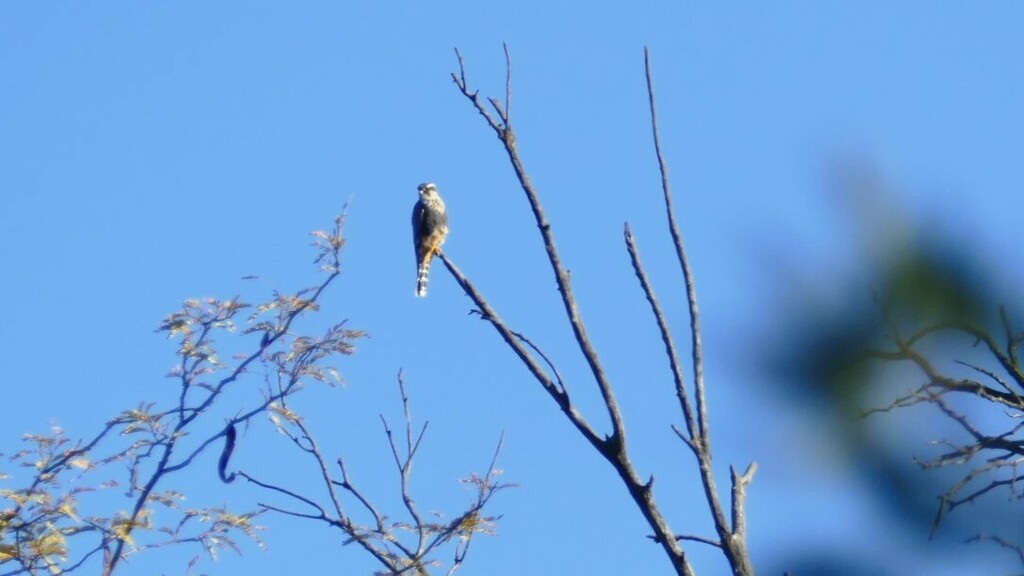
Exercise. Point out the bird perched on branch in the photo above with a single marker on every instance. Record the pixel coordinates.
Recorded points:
(429, 229)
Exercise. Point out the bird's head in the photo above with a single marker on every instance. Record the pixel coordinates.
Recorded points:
(427, 189)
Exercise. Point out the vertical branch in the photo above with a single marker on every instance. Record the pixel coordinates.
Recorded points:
(508, 84)
(733, 539)
(666, 338)
(735, 547)
(406, 468)
(684, 263)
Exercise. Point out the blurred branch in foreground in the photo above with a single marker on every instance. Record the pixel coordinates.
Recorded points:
(922, 301)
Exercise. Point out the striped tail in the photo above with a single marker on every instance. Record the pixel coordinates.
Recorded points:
(422, 275)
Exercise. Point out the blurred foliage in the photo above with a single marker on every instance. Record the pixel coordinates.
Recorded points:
(845, 354)
(914, 286)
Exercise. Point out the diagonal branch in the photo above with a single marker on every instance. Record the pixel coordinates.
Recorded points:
(517, 345)
(684, 263)
(508, 139)
(347, 484)
(613, 451)
(666, 338)
(551, 365)
(733, 539)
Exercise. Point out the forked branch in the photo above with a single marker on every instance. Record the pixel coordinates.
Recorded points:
(401, 546)
(991, 460)
(614, 446)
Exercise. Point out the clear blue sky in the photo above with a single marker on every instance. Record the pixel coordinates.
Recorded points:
(152, 152)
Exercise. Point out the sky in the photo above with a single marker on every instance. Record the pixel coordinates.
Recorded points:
(154, 152)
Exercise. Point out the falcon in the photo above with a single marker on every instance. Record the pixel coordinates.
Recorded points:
(429, 230)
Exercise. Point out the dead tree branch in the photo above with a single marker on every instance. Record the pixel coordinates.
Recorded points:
(733, 537)
(613, 447)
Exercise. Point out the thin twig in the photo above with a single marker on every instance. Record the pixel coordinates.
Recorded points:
(701, 539)
(666, 338)
(684, 263)
(508, 85)
(347, 484)
(322, 514)
(547, 360)
(1002, 542)
(516, 345)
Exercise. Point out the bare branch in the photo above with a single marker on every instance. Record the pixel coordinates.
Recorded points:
(460, 81)
(508, 139)
(1002, 542)
(666, 338)
(739, 494)
(321, 513)
(347, 484)
(700, 539)
(613, 451)
(684, 263)
(547, 360)
(510, 338)
(734, 545)
(686, 439)
(401, 547)
(508, 84)
(613, 448)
